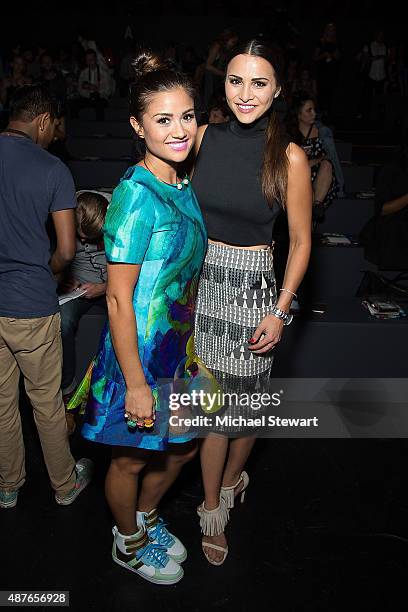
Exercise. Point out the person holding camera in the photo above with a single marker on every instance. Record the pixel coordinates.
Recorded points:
(94, 88)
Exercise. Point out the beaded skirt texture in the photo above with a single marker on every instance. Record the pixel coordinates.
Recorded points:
(237, 289)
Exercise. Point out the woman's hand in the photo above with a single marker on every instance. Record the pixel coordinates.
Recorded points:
(139, 403)
(267, 335)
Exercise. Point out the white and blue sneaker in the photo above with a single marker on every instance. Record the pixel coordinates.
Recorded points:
(150, 561)
(158, 534)
(8, 498)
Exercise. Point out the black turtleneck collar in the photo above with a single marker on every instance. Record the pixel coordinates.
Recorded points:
(249, 130)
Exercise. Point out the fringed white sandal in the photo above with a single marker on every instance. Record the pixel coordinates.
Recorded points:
(212, 523)
(228, 493)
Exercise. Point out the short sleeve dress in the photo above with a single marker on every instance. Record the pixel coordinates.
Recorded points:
(160, 227)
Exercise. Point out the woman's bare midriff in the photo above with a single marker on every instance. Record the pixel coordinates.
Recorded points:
(257, 247)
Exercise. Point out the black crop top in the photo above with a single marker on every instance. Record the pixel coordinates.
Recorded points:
(227, 182)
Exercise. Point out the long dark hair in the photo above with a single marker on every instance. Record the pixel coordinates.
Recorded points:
(152, 75)
(274, 177)
(292, 121)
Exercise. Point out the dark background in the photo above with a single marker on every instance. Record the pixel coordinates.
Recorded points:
(197, 22)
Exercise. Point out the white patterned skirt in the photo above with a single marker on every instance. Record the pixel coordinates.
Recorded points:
(237, 289)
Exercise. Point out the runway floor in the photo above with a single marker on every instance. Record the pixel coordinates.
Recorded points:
(323, 527)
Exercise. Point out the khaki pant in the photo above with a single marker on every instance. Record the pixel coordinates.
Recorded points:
(33, 347)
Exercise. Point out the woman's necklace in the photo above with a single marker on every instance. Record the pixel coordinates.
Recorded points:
(178, 184)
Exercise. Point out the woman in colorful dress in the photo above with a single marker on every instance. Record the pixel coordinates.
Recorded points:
(245, 171)
(155, 243)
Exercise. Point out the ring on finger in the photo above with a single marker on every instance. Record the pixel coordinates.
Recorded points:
(148, 423)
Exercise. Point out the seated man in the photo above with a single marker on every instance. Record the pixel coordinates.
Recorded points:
(385, 236)
(88, 272)
(94, 87)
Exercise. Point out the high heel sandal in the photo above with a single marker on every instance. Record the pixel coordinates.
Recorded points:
(212, 523)
(228, 493)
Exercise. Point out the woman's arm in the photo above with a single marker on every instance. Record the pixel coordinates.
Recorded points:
(122, 279)
(299, 211)
(393, 206)
(212, 56)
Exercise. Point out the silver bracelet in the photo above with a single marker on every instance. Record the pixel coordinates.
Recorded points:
(289, 291)
(286, 317)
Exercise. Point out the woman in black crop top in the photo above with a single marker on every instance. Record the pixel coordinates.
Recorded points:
(245, 170)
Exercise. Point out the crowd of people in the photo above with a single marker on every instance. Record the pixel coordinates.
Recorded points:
(85, 75)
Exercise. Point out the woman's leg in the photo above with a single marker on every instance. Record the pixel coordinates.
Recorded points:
(213, 453)
(323, 181)
(161, 472)
(121, 485)
(132, 541)
(239, 451)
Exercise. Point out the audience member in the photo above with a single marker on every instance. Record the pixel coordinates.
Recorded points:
(52, 77)
(375, 57)
(372, 65)
(313, 138)
(87, 272)
(102, 62)
(215, 64)
(385, 236)
(16, 78)
(93, 86)
(304, 81)
(33, 185)
(326, 58)
(32, 64)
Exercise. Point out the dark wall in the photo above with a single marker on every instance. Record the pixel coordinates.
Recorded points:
(196, 21)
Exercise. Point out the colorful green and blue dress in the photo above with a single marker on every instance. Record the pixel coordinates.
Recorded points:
(160, 227)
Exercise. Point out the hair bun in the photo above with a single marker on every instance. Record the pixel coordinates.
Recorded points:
(147, 61)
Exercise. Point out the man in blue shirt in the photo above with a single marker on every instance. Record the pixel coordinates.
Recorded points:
(33, 185)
